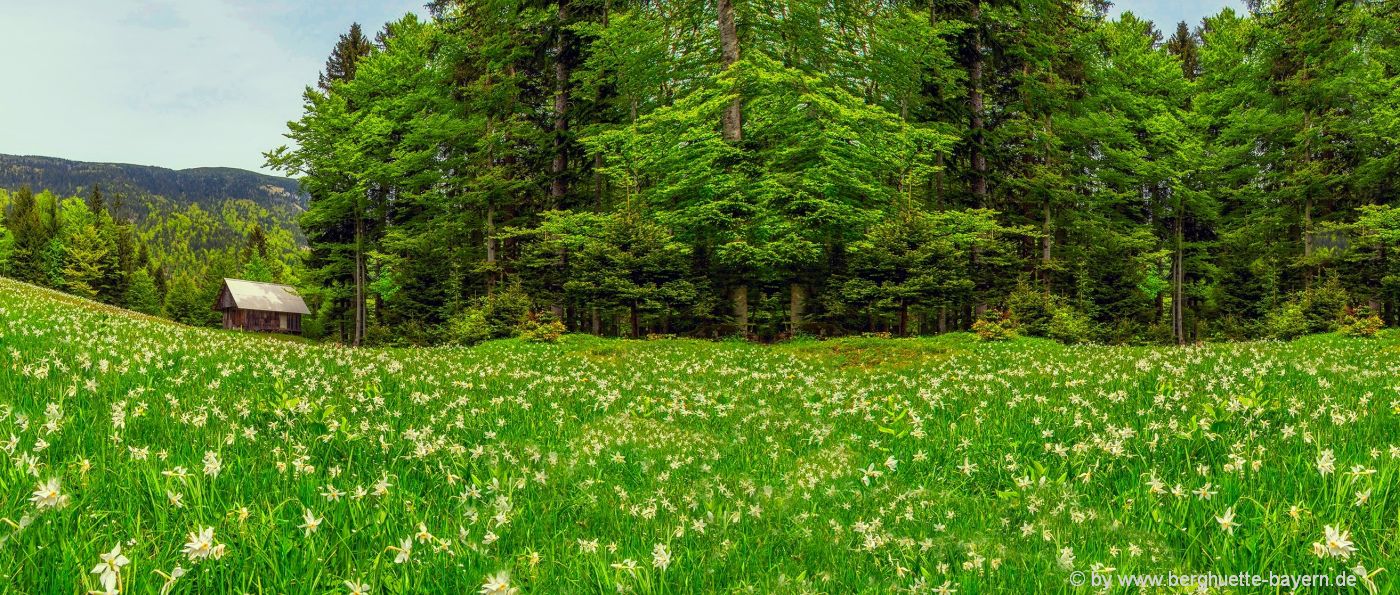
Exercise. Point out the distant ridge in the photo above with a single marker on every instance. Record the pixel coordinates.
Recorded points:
(205, 186)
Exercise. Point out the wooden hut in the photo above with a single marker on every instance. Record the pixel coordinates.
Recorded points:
(266, 307)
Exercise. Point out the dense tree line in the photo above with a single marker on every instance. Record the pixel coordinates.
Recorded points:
(770, 167)
(170, 263)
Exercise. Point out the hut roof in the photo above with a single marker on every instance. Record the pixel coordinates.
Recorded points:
(268, 297)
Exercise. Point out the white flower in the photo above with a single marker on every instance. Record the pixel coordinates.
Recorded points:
(48, 495)
(1205, 492)
(357, 588)
(1363, 497)
(660, 557)
(1336, 544)
(332, 494)
(891, 462)
(109, 586)
(1366, 577)
(499, 585)
(201, 545)
(112, 562)
(170, 579)
(381, 487)
(404, 549)
(312, 523)
(1326, 463)
(968, 467)
(1227, 522)
(1067, 558)
(212, 465)
(177, 473)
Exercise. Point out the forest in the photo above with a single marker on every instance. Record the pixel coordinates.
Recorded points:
(777, 168)
(150, 254)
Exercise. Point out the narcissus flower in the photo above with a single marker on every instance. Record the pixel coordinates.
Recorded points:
(112, 562)
(1335, 543)
(498, 585)
(311, 522)
(1227, 521)
(48, 495)
(201, 545)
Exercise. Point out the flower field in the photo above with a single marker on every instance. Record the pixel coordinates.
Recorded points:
(146, 457)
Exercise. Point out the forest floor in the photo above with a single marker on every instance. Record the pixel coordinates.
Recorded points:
(677, 466)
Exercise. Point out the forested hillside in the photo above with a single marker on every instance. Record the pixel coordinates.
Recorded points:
(806, 166)
(208, 187)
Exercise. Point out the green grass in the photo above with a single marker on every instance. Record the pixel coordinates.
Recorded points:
(760, 469)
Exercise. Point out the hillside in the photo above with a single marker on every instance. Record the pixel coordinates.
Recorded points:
(208, 187)
(678, 466)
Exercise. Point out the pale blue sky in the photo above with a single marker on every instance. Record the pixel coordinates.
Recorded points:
(174, 83)
(1166, 13)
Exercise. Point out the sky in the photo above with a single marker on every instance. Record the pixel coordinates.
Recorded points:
(1167, 13)
(171, 83)
(206, 83)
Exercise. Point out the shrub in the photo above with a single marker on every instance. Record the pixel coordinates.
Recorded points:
(1068, 325)
(469, 327)
(1324, 305)
(1288, 321)
(1031, 309)
(1361, 322)
(1157, 333)
(994, 326)
(540, 328)
(490, 317)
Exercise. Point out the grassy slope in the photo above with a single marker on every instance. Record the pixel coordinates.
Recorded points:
(760, 469)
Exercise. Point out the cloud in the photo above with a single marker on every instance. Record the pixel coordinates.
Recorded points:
(176, 84)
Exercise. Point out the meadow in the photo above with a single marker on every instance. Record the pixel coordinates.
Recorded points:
(148, 457)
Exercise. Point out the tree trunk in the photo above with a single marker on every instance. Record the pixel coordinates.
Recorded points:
(378, 299)
(491, 248)
(974, 95)
(597, 323)
(1178, 289)
(557, 185)
(359, 280)
(796, 300)
(732, 123)
(942, 319)
(1307, 227)
(729, 55)
(636, 322)
(1045, 249)
(903, 318)
(741, 309)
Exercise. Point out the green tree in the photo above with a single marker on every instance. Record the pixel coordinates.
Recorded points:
(84, 255)
(141, 294)
(24, 221)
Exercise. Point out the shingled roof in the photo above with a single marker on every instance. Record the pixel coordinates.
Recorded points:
(268, 297)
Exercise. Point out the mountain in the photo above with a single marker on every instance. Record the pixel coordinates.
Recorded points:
(208, 187)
